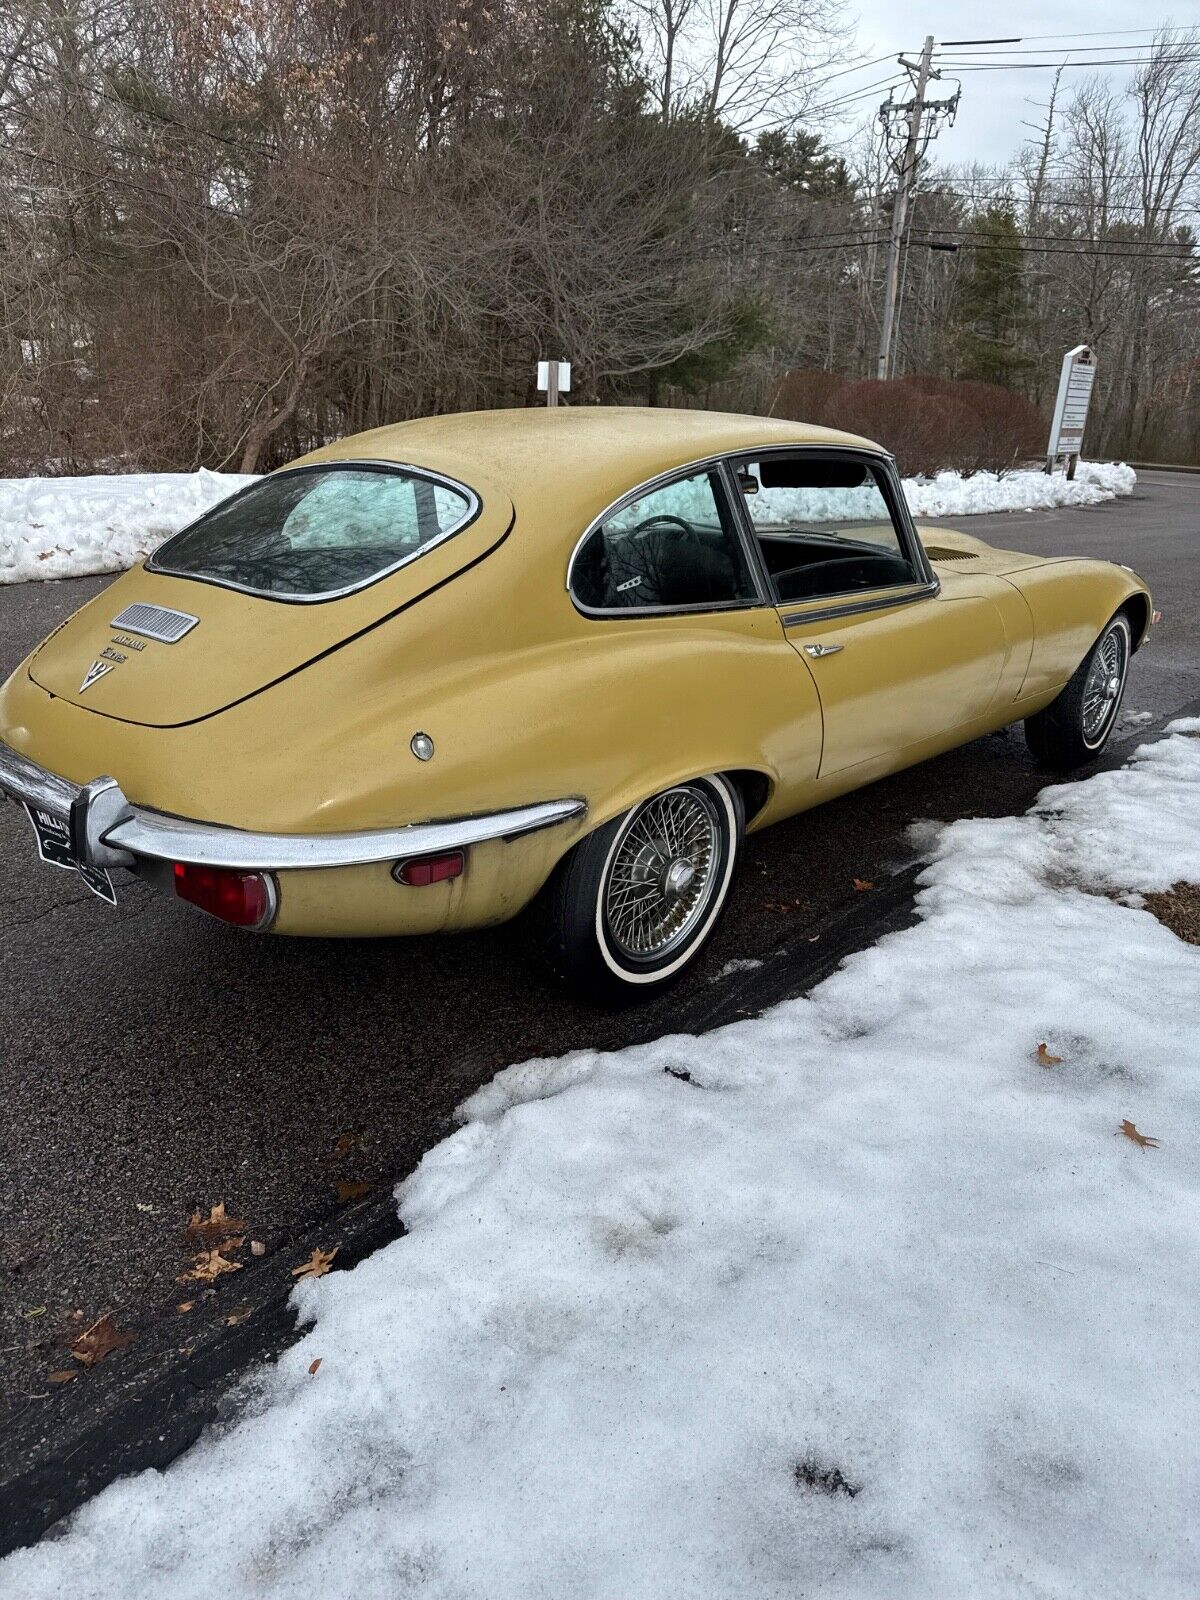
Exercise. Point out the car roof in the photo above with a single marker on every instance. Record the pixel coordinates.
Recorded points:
(596, 451)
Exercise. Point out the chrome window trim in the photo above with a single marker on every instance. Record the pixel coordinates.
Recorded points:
(723, 465)
(108, 831)
(894, 498)
(925, 591)
(662, 480)
(363, 464)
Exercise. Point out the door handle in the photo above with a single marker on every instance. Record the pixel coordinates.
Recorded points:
(823, 649)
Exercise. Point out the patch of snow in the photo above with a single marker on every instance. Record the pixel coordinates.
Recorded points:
(70, 527)
(855, 1299)
(952, 495)
(738, 964)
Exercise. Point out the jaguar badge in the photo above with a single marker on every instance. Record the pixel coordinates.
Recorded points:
(95, 672)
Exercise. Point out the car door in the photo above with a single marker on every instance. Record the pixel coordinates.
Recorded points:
(898, 659)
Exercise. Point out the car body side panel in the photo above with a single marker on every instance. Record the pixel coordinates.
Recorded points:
(899, 675)
(1070, 601)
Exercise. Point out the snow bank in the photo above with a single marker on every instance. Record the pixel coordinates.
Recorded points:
(952, 495)
(853, 1300)
(68, 527)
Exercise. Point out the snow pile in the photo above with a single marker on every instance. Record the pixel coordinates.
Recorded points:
(69, 527)
(856, 1299)
(952, 495)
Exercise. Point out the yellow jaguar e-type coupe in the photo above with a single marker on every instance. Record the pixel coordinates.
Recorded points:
(427, 676)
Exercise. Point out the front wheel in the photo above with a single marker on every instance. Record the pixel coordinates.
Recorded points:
(1074, 729)
(631, 905)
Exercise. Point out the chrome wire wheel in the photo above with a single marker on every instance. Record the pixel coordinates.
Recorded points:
(1104, 683)
(663, 873)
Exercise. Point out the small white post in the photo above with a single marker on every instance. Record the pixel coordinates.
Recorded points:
(553, 379)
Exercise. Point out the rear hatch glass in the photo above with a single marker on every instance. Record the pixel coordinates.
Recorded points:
(315, 533)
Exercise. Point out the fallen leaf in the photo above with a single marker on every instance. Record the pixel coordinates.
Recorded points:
(350, 1191)
(345, 1144)
(209, 1265)
(36, 1311)
(317, 1265)
(313, 1366)
(1142, 1139)
(185, 1305)
(217, 1225)
(98, 1341)
(65, 1375)
(237, 1316)
(257, 1247)
(1043, 1057)
(862, 884)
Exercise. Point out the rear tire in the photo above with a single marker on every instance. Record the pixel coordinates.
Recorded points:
(1074, 729)
(632, 905)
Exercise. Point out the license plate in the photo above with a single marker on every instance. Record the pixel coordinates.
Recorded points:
(54, 847)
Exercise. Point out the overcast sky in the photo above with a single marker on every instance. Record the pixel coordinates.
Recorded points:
(994, 104)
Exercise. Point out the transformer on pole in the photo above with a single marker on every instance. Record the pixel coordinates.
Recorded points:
(908, 126)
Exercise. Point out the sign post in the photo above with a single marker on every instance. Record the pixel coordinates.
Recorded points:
(553, 379)
(1071, 408)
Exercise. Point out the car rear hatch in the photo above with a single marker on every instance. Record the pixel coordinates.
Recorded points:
(238, 644)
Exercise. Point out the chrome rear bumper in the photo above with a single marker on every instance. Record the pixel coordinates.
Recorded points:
(107, 831)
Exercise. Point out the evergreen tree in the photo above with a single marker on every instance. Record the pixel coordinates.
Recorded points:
(993, 302)
(800, 162)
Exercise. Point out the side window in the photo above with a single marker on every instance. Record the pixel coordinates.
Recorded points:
(823, 526)
(674, 546)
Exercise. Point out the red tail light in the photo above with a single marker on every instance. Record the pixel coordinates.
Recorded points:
(246, 899)
(421, 871)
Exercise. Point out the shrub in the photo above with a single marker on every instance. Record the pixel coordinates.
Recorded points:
(928, 423)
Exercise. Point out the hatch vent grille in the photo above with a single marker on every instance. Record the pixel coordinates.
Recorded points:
(155, 622)
(937, 552)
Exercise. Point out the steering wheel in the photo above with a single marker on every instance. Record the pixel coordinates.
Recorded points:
(663, 523)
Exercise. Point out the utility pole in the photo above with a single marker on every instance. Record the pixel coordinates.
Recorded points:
(915, 122)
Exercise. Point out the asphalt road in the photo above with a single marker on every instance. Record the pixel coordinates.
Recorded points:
(152, 1061)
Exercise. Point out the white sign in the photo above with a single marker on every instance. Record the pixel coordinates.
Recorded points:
(1071, 407)
(563, 373)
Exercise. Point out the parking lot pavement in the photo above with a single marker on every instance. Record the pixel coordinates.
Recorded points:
(154, 1061)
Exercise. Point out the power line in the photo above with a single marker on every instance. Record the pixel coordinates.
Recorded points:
(1083, 49)
(1037, 66)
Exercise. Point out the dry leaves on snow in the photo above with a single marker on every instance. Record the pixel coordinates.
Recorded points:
(314, 1365)
(1043, 1057)
(317, 1265)
(98, 1341)
(1143, 1140)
